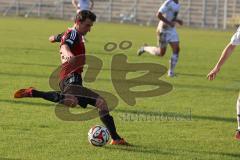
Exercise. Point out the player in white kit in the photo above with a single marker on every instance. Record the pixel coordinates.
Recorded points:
(166, 34)
(83, 5)
(80, 6)
(235, 40)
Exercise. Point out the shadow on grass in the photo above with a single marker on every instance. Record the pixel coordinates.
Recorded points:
(23, 75)
(58, 65)
(141, 149)
(169, 151)
(203, 76)
(204, 87)
(1, 158)
(188, 86)
(233, 155)
(211, 153)
(29, 64)
(27, 49)
(171, 115)
(28, 103)
(191, 75)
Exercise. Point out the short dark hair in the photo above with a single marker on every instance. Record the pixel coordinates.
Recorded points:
(84, 14)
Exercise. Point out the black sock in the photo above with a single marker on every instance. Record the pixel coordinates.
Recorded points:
(109, 123)
(50, 96)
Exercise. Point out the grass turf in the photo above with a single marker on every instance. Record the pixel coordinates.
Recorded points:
(196, 120)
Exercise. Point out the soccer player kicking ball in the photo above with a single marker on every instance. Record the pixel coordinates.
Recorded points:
(166, 34)
(235, 40)
(72, 53)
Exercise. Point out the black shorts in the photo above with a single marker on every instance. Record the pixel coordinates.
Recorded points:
(73, 85)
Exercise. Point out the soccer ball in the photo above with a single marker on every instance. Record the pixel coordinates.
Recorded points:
(98, 135)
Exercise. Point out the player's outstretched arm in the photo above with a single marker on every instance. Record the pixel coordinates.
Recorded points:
(179, 21)
(56, 38)
(225, 54)
(175, 19)
(162, 18)
(74, 3)
(92, 4)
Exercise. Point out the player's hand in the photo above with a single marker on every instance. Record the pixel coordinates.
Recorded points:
(180, 22)
(212, 75)
(51, 39)
(70, 100)
(172, 24)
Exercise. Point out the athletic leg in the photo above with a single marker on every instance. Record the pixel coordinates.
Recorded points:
(174, 58)
(156, 51)
(86, 96)
(53, 96)
(108, 121)
(238, 119)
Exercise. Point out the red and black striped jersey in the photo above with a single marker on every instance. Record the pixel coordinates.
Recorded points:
(72, 64)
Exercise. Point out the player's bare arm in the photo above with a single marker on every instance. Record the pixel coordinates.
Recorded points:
(179, 21)
(74, 3)
(92, 4)
(56, 38)
(224, 56)
(162, 18)
(51, 39)
(175, 19)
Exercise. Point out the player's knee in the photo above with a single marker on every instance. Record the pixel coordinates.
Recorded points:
(161, 54)
(70, 100)
(177, 50)
(101, 104)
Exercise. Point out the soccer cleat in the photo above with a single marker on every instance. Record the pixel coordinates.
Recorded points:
(237, 135)
(170, 73)
(119, 142)
(23, 93)
(140, 51)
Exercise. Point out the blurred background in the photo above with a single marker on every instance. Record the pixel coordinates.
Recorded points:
(218, 14)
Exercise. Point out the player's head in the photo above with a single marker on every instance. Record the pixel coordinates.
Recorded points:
(84, 21)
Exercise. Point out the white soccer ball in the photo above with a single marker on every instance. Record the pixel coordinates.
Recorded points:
(98, 135)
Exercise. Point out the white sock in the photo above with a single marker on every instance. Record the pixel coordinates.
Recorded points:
(238, 112)
(152, 50)
(173, 61)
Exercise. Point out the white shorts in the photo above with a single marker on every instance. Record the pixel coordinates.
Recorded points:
(235, 40)
(167, 36)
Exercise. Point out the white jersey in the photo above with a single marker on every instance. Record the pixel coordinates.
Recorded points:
(169, 9)
(84, 5)
(235, 40)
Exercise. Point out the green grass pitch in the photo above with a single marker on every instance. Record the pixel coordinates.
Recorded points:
(196, 120)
